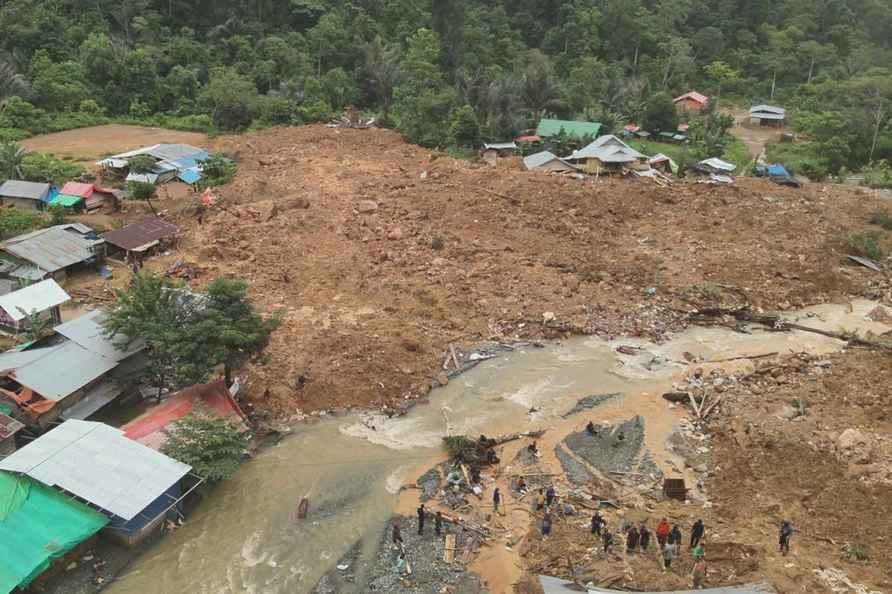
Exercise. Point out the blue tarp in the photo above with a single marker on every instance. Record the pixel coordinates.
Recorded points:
(54, 191)
(190, 176)
(778, 170)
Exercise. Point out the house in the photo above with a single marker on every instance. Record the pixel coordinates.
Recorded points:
(578, 130)
(135, 487)
(215, 398)
(492, 151)
(52, 252)
(767, 115)
(41, 529)
(89, 196)
(24, 194)
(607, 154)
(138, 239)
(717, 166)
(172, 161)
(531, 139)
(547, 161)
(43, 299)
(663, 163)
(8, 429)
(691, 102)
(71, 374)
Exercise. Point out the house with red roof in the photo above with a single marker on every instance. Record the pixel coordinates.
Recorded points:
(691, 101)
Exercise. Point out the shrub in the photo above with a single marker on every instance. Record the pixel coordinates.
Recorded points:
(867, 244)
(41, 167)
(878, 175)
(15, 221)
(217, 170)
(855, 552)
(13, 134)
(141, 190)
(883, 218)
(211, 446)
(57, 214)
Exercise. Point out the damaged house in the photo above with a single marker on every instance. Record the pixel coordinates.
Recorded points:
(71, 374)
(172, 161)
(42, 299)
(548, 162)
(137, 240)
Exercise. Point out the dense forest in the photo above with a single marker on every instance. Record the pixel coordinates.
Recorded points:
(450, 72)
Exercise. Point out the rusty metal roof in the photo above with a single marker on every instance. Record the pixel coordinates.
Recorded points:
(9, 426)
(53, 248)
(130, 237)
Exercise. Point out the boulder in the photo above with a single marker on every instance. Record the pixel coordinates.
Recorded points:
(548, 317)
(395, 234)
(850, 439)
(367, 206)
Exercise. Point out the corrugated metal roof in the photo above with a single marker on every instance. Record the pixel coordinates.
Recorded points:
(552, 585)
(608, 149)
(15, 188)
(693, 96)
(9, 426)
(549, 127)
(78, 189)
(718, 165)
(172, 152)
(138, 234)
(87, 331)
(63, 370)
(146, 178)
(95, 398)
(500, 146)
(190, 176)
(98, 464)
(33, 298)
(765, 110)
(53, 248)
(11, 360)
(539, 159)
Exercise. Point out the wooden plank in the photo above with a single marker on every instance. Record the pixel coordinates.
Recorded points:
(449, 549)
(454, 356)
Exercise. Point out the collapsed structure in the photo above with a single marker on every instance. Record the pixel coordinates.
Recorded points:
(172, 161)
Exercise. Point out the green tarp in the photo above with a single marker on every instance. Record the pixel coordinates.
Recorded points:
(38, 525)
(66, 200)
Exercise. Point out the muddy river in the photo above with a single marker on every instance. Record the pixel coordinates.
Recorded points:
(245, 536)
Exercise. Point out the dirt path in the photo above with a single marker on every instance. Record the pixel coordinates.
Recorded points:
(86, 145)
(754, 136)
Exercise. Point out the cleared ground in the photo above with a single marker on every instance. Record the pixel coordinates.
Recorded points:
(86, 145)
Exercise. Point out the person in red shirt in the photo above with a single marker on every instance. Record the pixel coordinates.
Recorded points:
(663, 530)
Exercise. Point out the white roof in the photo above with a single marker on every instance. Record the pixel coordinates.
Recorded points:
(767, 109)
(58, 371)
(33, 298)
(500, 146)
(98, 464)
(718, 164)
(539, 159)
(120, 160)
(87, 331)
(608, 149)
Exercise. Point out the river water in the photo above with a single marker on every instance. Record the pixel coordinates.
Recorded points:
(245, 536)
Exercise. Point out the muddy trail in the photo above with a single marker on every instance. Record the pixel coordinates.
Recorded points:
(358, 470)
(381, 254)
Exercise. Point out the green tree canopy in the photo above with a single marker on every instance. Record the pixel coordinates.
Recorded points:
(212, 446)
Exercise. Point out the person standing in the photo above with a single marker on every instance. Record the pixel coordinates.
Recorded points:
(668, 554)
(698, 552)
(438, 522)
(698, 574)
(663, 530)
(606, 540)
(644, 537)
(421, 514)
(546, 525)
(540, 500)
(675, 538)
(402, 565)
(397, 537)
(786, 532)
(496, 500)
(549, 496)
(632, 540)
(697, 532)
(597, 523)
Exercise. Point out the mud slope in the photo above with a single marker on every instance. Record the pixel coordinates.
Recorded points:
(381, 254)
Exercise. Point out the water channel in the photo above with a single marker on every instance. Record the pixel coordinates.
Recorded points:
(245, 536)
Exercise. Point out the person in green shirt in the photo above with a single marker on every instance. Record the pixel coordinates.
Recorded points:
(698, 552)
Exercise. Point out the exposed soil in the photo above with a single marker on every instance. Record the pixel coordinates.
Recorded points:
(379, 255)
(753, 135)
(86, 145)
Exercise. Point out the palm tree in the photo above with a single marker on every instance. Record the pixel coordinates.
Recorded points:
(11, 156)
(382, 67)
(540, 89)
(11, 83)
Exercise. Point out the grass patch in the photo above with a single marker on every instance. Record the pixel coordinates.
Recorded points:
(867, 244)
(42, 167)
(738, 152)
(802, 158)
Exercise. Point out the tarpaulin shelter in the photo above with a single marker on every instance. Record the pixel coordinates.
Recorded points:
(37, 526)
(67, 200)
(215, 398)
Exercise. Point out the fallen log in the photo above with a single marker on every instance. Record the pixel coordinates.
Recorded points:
(711, 406)
(515, 436)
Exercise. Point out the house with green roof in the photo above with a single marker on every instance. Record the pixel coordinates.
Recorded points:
(579, 130)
